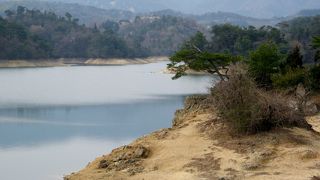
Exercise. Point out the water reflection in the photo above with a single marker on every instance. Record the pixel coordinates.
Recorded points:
(36, 125)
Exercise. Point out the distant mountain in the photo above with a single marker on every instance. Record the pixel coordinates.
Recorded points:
(232, 18)
(88, 15)
(213, 18)
(308, 12)
(92, 15)
(251, 8)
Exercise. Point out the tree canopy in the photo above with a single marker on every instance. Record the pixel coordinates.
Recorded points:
(194, 58)
(263, 62)
(32, 34)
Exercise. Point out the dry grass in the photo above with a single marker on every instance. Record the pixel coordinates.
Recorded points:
(249, 109)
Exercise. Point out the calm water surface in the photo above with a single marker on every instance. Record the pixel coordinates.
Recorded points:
(54, 121)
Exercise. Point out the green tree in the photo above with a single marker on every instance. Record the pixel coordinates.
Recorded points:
(224, 37)
(9, 13)
(294, 59)
(316, 42)
(316, 45)
(198, 40)
(212, 63)
(264, 62)
(20, 10)
(68, 16)
(317, 56)
(110, 26)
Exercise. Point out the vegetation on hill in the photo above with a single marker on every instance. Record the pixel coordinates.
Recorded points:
(240, 40)
(301, 30)
(157, 35)
(32, 34)
(268, 61)
(88, 15)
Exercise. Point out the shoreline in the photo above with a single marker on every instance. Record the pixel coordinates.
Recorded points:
(64, 62)
(200, 146)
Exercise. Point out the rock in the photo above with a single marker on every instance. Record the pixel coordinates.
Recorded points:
(193, 105)
(258, 159)
(162, 134)
(141, 152)
(315, 178)
(135, 170)
(311, 108)
(301, 91)
(103, 164)
(250, 166)
(126, 158)
(308, 154)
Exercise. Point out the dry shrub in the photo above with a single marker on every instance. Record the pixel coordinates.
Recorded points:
(251, 110)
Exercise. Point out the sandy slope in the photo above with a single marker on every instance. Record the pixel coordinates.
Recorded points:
(199, 146)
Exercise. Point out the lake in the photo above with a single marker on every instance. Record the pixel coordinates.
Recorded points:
(53, 121)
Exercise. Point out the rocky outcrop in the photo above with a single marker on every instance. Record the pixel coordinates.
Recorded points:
(127, 158)
(193, 106)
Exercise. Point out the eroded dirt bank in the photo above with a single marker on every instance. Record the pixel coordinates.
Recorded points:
(200, 146)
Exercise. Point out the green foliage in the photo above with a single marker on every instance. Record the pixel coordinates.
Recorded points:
(264, 62)
(191, 57)
(316, 42)
(291, 78)
(302, 30)
(317, 56)
(198, 41)
(316, 45)
(294, 59)
(194, 55)
(110, 26)
(241, 40)
(158, 35)
(32, 34)
(314, 77)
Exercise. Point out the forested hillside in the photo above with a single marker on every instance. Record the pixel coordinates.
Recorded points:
(88, 15)
(301, 30)
(32, 34)
(158, 35)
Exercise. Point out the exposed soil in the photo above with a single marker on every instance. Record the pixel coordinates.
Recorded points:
(200, 146)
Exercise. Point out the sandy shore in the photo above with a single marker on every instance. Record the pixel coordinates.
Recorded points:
(200, 146)
(78, 62)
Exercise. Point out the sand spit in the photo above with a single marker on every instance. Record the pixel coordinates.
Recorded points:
(77, 62)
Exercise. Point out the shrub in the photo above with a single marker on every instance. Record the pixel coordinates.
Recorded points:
(251, 110)
(291, 78)
(314, 77)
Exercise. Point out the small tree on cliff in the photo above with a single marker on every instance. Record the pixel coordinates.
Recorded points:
(195, 56)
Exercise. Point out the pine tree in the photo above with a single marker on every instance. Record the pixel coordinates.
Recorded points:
(295, 59)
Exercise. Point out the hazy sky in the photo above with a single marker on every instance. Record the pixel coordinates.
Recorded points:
(254, 8)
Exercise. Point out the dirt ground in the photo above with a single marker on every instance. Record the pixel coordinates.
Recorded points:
(200, 146)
